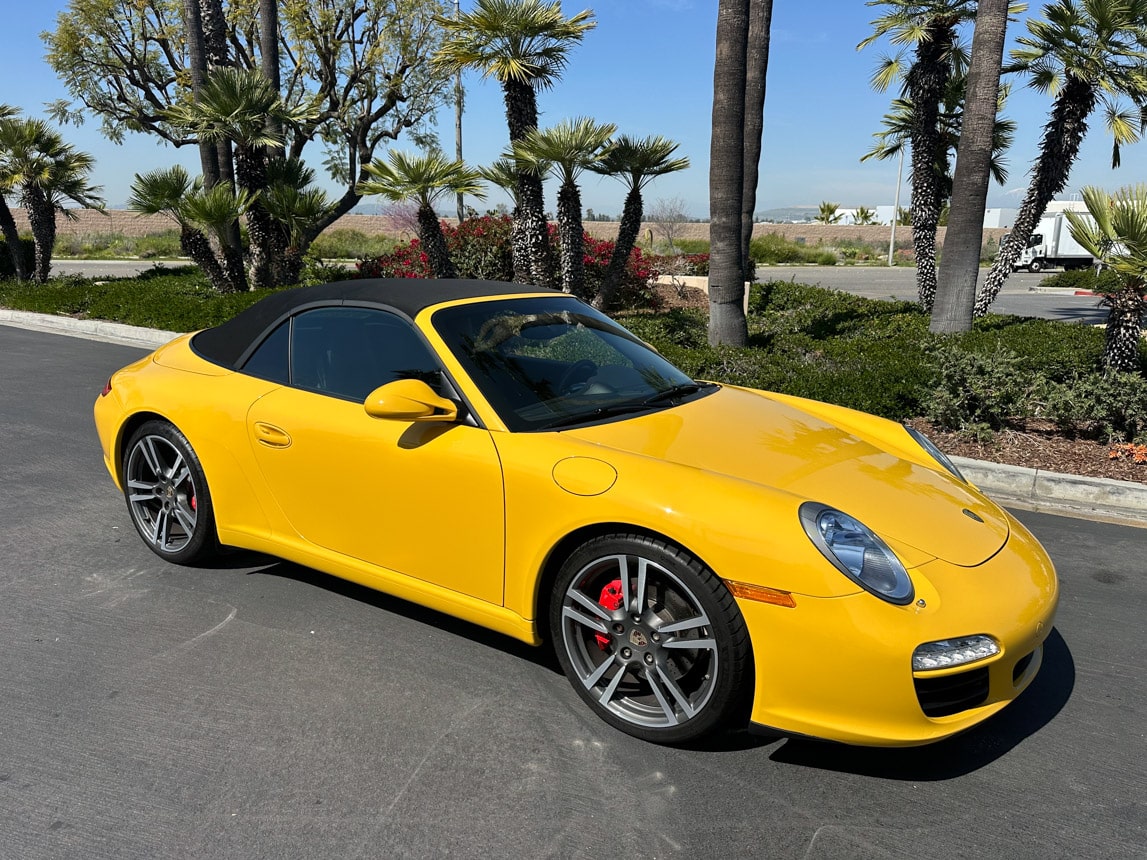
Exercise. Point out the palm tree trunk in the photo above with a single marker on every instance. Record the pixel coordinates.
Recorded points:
(42, 219)
(757, 64)
(727, 323)
(269, 56)
(1058, 149)
(572, 240)
(12, 240)
(197, 66)
(194, 244)
(430, 234)
(529, 235)
(627, 232)
(926, 83)
(251, 174)
(1124, 319)
(956, 289)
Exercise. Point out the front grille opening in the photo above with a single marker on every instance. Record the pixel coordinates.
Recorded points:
(950, 694)
(1022, 666)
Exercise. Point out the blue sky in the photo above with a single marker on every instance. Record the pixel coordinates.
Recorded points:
(648, 68)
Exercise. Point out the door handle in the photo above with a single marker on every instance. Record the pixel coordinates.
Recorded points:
(272, 436)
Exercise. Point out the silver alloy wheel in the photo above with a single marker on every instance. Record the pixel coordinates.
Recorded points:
(161, 493)
(639, 641)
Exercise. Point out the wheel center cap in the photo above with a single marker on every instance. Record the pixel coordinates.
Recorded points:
(637, 638)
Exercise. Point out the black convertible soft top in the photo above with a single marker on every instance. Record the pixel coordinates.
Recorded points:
(227, 343)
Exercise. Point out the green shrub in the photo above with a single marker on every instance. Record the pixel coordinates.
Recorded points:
(7, 270)
(1083, 279)
(977, 392)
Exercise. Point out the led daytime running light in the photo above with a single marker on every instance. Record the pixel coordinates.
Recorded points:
(946, 653)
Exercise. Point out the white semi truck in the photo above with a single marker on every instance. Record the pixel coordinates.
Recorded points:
(1052, 245)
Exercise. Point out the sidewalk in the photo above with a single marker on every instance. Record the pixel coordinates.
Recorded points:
(1123, 502)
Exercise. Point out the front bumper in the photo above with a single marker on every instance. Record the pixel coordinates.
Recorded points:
(841, 668)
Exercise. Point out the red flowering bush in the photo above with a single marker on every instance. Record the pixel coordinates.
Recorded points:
(480, 249)
(635, 289)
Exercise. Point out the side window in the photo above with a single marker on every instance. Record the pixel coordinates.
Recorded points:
(272, 359)
(349, 352)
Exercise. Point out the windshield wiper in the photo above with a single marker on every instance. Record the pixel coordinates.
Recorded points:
(595, 414)
(676, 391)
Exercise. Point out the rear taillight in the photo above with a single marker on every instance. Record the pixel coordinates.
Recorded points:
(107, 389)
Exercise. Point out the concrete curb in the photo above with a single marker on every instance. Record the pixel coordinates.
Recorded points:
(109, 332)
(1102, 499)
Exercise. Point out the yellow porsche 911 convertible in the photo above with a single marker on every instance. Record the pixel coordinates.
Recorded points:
(699, 555)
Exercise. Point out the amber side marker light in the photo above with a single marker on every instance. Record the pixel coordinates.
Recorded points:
(107, 389)
(761, 594)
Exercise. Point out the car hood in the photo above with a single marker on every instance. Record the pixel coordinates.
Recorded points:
(746, 435)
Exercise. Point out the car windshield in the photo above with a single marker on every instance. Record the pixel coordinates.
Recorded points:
(549, 363)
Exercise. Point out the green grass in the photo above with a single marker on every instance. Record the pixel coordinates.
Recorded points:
(351, 245)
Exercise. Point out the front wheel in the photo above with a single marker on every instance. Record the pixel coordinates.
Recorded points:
(167, 495)
(651, 639)
(1035, 266)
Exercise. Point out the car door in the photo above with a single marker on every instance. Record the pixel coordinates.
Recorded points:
(421, 499)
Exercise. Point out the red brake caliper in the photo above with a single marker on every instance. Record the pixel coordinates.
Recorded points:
(611, 600)
(193, 503)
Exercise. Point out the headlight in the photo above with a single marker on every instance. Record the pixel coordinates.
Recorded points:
(934, 452)
(953, 652)
(857, 552)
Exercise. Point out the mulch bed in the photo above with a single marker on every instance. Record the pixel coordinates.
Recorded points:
(1040, 447)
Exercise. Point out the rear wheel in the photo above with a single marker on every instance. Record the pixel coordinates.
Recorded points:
(651, 639)
(167, 494)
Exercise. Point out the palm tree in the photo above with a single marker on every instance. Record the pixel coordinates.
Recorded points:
(7, 221)
(524, 45)
(217, 210)
(241, 106)
(1088, 53)
(567, 150)
(930, 28)
(47, 173)
(727, 324)
(504, 174)
(295, 207)
(424, 178)
(828, 213)
(864, 216)
(636, 162)
(164, 192)
(1116, 235)
(956, 288)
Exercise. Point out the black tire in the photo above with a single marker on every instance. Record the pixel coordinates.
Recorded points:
(1035, 266)
(167, 496)
(630, 660)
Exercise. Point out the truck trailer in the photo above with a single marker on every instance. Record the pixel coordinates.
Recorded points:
(1052, 245)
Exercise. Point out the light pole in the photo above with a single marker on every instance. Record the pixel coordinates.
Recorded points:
(458, 120)
(896, 206)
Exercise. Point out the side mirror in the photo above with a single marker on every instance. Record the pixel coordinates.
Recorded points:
(409, 400)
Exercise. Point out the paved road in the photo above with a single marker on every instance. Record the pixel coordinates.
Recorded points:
(871, 281)
(260, 709)
(879, 282)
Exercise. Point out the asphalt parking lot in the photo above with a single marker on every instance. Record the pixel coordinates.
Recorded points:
(260, 709)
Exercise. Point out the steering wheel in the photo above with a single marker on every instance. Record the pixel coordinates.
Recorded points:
(576, 374)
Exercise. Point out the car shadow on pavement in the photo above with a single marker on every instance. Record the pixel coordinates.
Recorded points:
(963, 754)
(542, 656)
